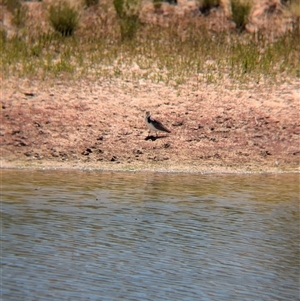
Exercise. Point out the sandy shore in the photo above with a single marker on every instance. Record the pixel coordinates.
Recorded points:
(100, 125)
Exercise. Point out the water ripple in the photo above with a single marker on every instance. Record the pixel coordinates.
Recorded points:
(114, 236)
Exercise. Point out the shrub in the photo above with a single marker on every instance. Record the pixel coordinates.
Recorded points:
(3, 36)
(157, 5)
(127, 11)
(118, 4)
(294, 6)
(207, 5)
(19, 16)
(240, 13)
(63, 18)
(172, 2)
(89, 3)
(12, 5)
(129, 27)
(19, 12)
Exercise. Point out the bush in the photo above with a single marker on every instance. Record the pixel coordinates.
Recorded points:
(89, 3)
(3, 37)
(12, 5)
(118, 4)
(240, 13)
(63, 18)
(19, 12)
(127, 11)
(129, 27)
(157, 4)
(207, 5)
(172, 2)
(294, 6)
(19, 16)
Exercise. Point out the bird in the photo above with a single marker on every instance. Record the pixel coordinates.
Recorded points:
(154, 124)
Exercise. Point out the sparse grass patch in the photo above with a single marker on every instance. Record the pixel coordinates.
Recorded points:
(156, 54)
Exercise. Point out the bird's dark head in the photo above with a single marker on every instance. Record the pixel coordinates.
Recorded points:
(147, 114)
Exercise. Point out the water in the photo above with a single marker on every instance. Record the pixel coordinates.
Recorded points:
(138, 236)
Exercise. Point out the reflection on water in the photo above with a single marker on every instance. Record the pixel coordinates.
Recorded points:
(138, 236)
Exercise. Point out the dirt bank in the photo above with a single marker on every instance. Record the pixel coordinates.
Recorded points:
(100, 125)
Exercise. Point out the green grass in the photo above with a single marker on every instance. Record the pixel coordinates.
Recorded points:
(156, 55)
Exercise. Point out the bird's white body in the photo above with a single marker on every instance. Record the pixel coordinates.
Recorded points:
(150, 125)
(155, 125)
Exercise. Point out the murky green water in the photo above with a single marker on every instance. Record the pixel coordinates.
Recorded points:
(138, 236)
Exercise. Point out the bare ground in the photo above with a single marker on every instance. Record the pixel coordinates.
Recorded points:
(100, 125)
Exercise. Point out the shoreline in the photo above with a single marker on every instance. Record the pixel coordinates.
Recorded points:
(97, 126)
(143, 168)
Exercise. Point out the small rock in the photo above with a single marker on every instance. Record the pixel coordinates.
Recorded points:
(29, 94)
(55, 154)
(38, 156)
(177, 123)
(265, 153)
(87, 152)
(63, 155)
(20, 143)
